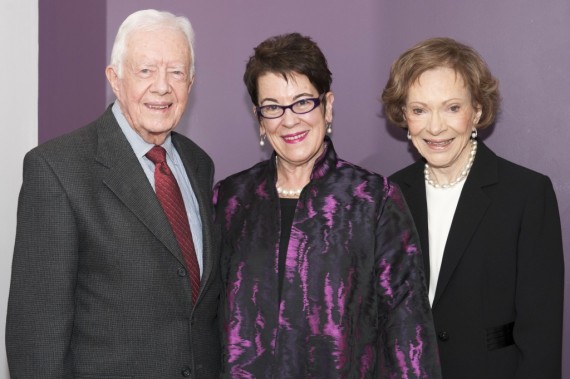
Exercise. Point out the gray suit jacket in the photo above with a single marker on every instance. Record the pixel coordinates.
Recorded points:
(99, 288)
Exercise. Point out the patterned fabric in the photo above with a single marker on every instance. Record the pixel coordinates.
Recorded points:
(170, 197)
(353, 302)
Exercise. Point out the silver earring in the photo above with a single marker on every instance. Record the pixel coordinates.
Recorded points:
(474, 133)
(329, 127)
(409, 136)
(262, 140)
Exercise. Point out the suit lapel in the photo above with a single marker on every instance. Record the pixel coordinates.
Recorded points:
(127, 180)
(472, 206)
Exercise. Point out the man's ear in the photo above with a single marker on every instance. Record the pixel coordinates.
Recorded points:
(192, 79)
(113, 79)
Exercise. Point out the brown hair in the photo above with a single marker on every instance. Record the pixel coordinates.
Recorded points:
(286, 54)
(441, 52)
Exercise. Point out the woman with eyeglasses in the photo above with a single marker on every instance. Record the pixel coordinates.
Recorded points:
(321, 264)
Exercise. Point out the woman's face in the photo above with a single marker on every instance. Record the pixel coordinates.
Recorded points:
(441, 117)
(296, 138)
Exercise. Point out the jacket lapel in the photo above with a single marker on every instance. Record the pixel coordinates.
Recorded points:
(127, 180)
(472, 206)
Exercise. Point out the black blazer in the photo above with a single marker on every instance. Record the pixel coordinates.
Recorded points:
(498, 302)
(99, 288)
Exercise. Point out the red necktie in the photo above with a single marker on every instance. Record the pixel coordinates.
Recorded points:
(170, 198)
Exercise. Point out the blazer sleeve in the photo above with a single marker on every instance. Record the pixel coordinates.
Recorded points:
(540, 285)
(41, 302)
(409, 345)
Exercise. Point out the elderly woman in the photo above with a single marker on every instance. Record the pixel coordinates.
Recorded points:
(489, 229)
(321, 267)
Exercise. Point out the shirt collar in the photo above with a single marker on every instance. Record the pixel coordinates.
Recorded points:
(327, 161)
(139, 145)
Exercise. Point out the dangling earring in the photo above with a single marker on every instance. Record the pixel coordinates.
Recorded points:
(409, 136)
(474, 133)
(329, 127)
(262, 140)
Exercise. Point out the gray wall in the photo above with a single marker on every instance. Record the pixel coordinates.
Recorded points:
(524, 42)
(19, 78)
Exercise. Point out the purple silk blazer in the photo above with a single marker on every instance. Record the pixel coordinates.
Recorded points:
(353, 301)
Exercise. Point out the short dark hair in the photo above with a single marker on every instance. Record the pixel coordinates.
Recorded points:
(441, 52)
(286, 54)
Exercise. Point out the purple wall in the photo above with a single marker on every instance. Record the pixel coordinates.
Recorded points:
(226, 36)
(524, 42)
(71, 64)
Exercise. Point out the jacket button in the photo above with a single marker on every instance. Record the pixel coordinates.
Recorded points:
(181, 271)
(186, 372)
(443, 336)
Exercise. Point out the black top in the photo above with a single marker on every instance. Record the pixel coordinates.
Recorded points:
(287, 213)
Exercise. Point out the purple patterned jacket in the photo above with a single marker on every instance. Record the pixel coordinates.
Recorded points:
(353, 302)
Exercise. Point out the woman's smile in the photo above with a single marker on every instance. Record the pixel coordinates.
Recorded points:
(295, 137)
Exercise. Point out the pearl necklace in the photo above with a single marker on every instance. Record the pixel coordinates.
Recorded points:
(294, 193)
(461, 176)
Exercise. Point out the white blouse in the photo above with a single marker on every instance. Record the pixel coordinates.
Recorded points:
(441, 205)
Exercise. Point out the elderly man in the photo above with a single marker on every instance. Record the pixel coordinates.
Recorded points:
(115, 270)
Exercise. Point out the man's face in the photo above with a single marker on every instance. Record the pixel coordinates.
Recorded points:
(155, 84)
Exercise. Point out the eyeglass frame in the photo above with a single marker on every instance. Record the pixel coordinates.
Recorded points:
(317, 100)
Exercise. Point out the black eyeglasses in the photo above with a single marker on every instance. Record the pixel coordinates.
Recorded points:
(298, 107)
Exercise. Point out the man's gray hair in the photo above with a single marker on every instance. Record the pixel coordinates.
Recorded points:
(149, 20)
